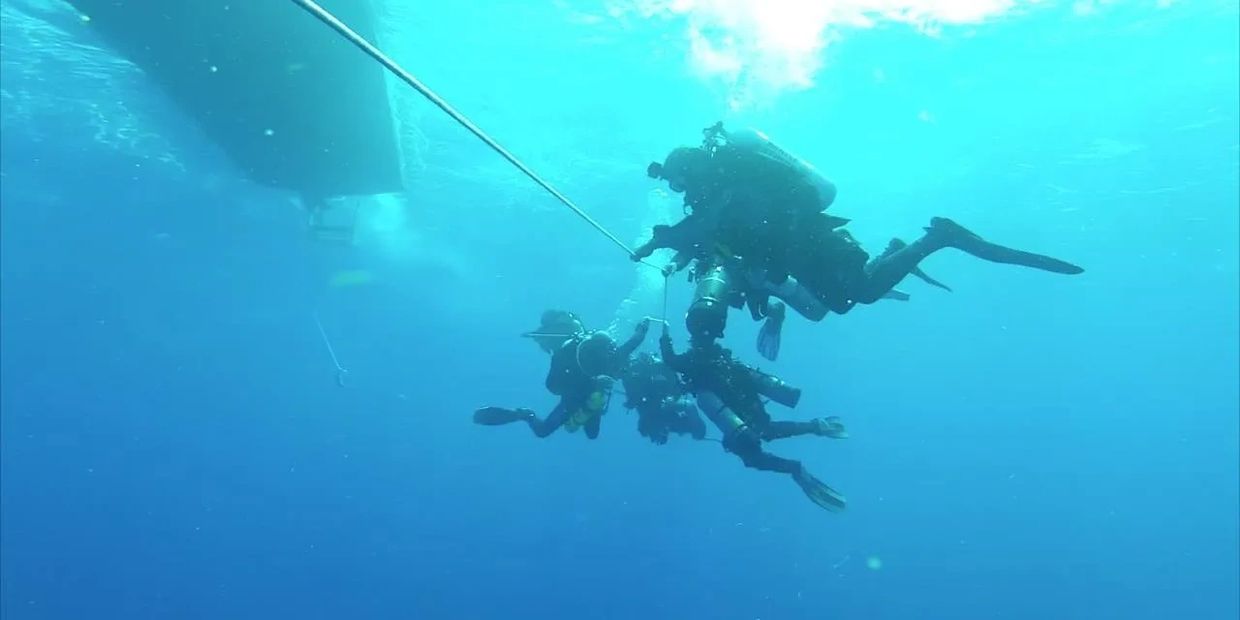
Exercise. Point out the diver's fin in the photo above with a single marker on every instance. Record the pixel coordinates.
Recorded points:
(959, 237)
(495, 416)
(835, 222)
(818, 492)
(831, 426)
(770, 335)
(896, 295)
(929, 280)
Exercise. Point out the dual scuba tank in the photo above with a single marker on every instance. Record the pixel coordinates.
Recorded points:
(729, 421)
(775, 388)
(754, 143)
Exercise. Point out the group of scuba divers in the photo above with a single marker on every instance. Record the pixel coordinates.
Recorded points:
(756, 236)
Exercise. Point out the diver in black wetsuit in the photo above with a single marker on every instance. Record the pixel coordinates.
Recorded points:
(730, 394)
(750, 200)
(583, 367)
(661, 400)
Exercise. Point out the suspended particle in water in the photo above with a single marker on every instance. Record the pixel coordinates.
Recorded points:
(214, 69)
(84, 17)
(874, 563)
(269, 132)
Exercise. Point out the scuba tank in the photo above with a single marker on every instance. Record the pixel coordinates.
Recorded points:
(594, 406)
(708, 314)
(726, 420)
(756, 143)
(775, 389)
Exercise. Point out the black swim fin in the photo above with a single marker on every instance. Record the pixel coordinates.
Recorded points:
(831, 426)
(818, 492)
(495, 416)
(957, 236)
(770, 335)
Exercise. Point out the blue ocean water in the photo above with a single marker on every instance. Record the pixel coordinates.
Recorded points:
(174, 444)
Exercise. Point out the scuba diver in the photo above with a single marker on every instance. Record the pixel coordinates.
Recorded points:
(583, 367)
(749, 200)
(663, 407)
(730, 394)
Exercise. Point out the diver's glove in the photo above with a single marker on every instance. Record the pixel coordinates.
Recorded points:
(642, 328)
(658, 239)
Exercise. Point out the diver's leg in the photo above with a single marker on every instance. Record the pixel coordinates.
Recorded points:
(823, 427)
(748, 447)
(593, 426)
(802, 300)
(892, 247)
(645, 427)
(780, 429)
(883, 274)
(694, 422)
(553, 421)
(830, 264)
(651, 423)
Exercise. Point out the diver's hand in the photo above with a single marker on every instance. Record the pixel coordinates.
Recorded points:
(643, 251)
(642, 328)
(669, 270)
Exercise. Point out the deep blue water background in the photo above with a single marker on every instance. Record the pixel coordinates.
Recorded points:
(1029, 446)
